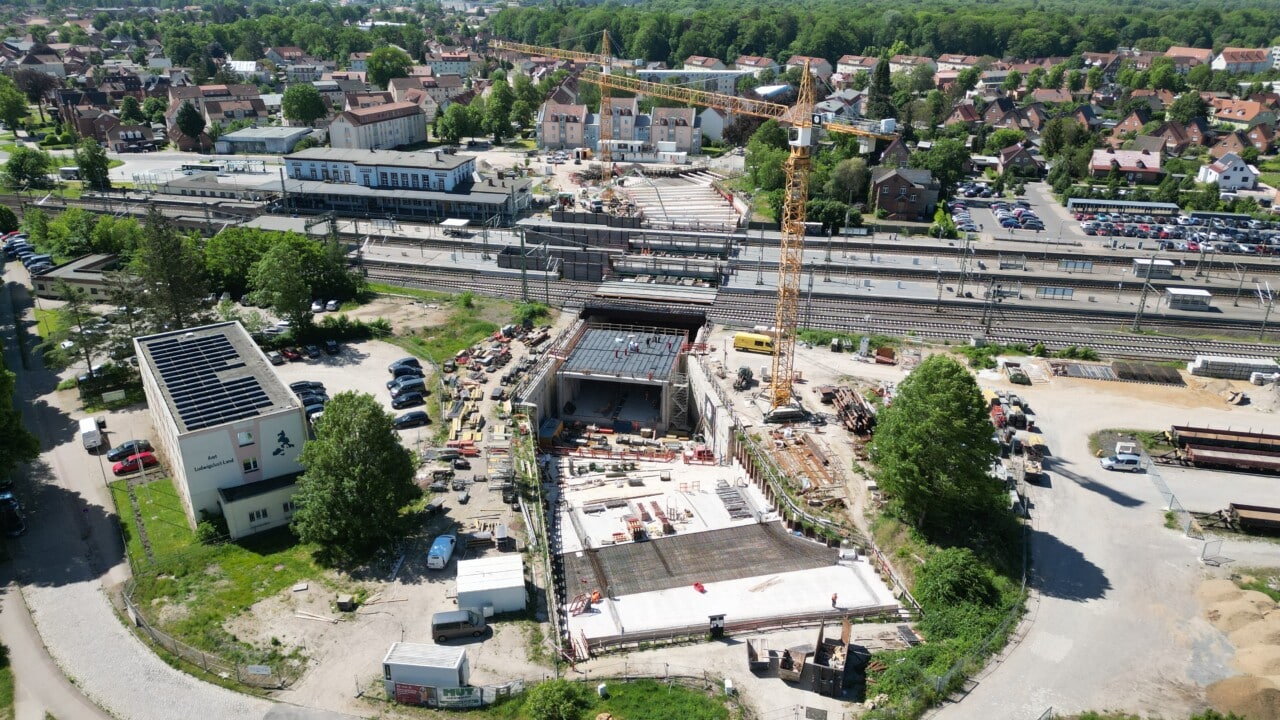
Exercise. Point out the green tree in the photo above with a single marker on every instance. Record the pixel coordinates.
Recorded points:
(1187, 107)
(1003, 138)
(8, 220)
(880, 94)
(74, 316)
(1075, 81)
(556, 699)
(35, 222)
(154, 108)
(1095, 78)
(385, 64)
(28, 169)
(280, 278)
(523, 114)
(848, 181)
(1053, 79)
(302, 104)
(169, 268)
(497, 117)
(455, 124)
(1200, 77)
(954, 576)
(131, 111)
(230, 255)
(35, 85)
(189, 121)
(91, 158)
(13, 104)
(357, 476)
(1012, 81)
(17, 444)
(946, 159)
(933, 451)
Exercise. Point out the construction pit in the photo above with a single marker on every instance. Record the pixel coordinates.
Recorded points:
(701, 519)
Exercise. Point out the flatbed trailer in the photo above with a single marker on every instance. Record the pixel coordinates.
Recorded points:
(1185, 435)
(1255, 517)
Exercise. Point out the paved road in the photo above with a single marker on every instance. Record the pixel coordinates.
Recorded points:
(70, 554)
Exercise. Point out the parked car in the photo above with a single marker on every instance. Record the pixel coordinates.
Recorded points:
(410, 361)
(407, 400)
(412, 419)
(313, 352)
(291, 354)
(332, 306)
(275, 358)
(461, 464)
(302, 385)
(127, 448)
(310, 397)
(133, 463)
(411, 385)
(401, 371)
(317, 306)
(332, 347)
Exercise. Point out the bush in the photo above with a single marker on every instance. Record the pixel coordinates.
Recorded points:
(556, 700)
(952, 577)
(207, 533)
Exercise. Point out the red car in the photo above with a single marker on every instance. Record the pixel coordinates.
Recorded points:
(291, 354)
(135, 462)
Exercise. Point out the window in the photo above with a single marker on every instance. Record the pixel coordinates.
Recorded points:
(313, 173)
(288, 507)
(244, 438)
(258, 515)
(250, 464)
(382, 179)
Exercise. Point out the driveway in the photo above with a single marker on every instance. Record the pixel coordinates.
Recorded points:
(1113, 623)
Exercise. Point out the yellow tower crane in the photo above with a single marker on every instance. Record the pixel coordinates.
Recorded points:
(605, 61)
(801, 138)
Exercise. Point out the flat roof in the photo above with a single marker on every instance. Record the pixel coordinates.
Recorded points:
(455, 223)
(1189, 292)
(490, 573)
(424, 655)
(1149, 261)
(428, 159)
(213, 375)
(236, 493)
(86, 268)
(266, 133)
(496, 193)
(624, 352)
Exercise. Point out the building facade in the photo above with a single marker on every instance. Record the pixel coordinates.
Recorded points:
(379, 127)
(229, 428)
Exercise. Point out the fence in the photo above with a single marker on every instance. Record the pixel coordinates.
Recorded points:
(1185, 522)
(261, 676)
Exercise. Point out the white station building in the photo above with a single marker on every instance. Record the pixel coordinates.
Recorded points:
(230, 429)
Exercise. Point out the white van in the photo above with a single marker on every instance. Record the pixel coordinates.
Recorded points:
(1124, 462)
(441, 551)
(90, 434)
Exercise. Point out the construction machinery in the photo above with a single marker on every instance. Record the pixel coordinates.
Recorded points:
(802, 135)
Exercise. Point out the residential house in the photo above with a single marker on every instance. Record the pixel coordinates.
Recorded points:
(851, 65)
(1157, 100)
(354, 100)
(354, 76)
(43, 59)
(1150, 143)
(713, 121)
(675, 130)
(1132, 123)
(130, 138)
(896, 154)
(225, 112)
(904, 193)
(303, 72)
(997, 110)
(724, 82)
(624, 118)
(378, 128)
(1242, 114)
(1175, 136)
(1242, 60)
(1185, 58)
(700, 62)
(907, 63)
(419, 97)
(1089, 116)
(91, 122)
(1230, 172)
(952, 62)
(1018, 158)
(1050, 96)
(754, 64)
(358, 61)
(966, 113)
(1231, 142)
(562, 127)
(247, 70)
(459, 62)
(819, 67)
(1262, 137)
(1108, 62)
(1137, 166)
(119, 84)
(285, 55)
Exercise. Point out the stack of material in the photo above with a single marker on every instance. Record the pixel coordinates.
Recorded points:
(1231, 368)
(733, 501)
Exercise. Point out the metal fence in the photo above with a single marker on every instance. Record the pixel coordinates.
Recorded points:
(261, 676)
(1182, 518)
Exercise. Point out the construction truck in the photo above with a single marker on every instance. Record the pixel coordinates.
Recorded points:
(743, 381)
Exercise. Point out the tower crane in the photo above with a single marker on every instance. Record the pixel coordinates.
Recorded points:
(801, 138)
(802, 134)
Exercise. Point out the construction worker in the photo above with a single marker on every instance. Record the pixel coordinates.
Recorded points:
(833, 599)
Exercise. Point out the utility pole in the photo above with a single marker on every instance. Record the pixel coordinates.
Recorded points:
(760, 263)
(1239, 285)
(524, 268)
(808, 308)
(1265, 295)
(989, 310)
(826, 268)
(938, 306)
(964, 265)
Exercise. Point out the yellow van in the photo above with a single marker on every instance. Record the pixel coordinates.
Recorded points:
(752, 342)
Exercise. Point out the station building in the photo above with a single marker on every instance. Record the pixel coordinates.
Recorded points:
(229, 428)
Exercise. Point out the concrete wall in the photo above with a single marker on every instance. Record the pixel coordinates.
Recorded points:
(711, 416)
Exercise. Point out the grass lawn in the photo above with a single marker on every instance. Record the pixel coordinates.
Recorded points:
(193, 589)
(466, 326)
(423, 295)
(48, 322)
(638, 700)
(6, 685)
(1270, 178)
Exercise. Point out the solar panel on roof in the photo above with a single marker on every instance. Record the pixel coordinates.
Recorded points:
(199, 373)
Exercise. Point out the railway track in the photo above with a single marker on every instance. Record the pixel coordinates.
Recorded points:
(956, 322)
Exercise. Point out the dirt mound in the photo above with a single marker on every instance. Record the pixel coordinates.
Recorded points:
(1260, 600)
(1231, 615)
(1262, 632)
(1217, 590)
(1250, 697)
(1259, 660)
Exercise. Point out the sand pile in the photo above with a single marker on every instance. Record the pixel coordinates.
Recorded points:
(1252, 622)
(1260, 632)
(1217, 590)
(1231, 615)
(1252, 698)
